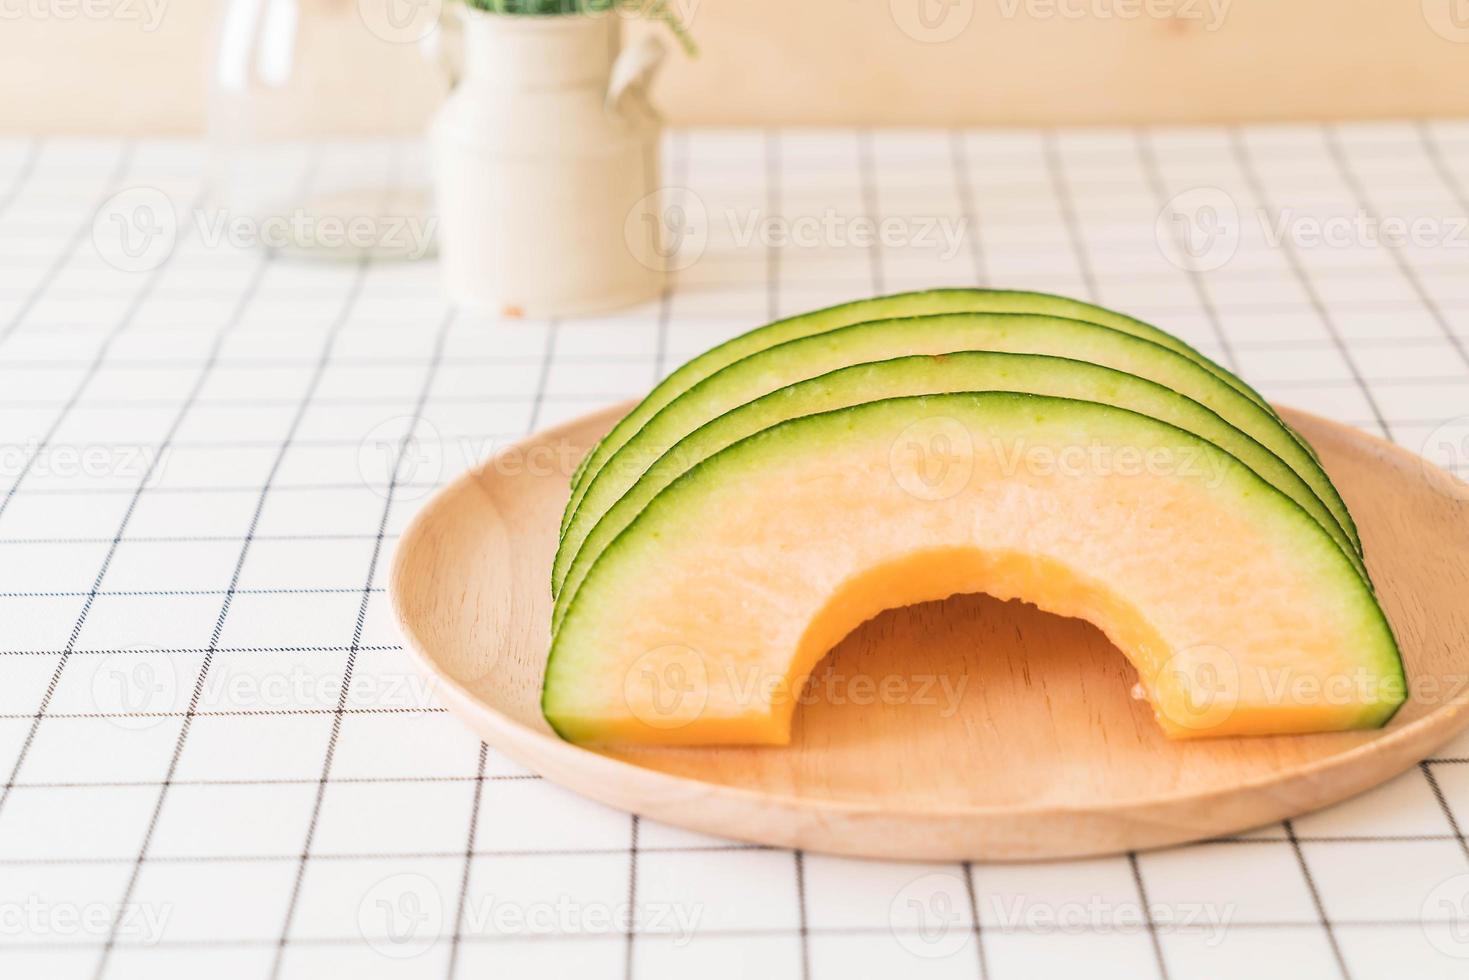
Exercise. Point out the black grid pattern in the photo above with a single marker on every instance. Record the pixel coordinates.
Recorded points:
(217, 758)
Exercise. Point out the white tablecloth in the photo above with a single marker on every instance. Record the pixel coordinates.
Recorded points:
(217, 761)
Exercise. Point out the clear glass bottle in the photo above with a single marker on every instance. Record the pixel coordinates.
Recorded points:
(316, 117)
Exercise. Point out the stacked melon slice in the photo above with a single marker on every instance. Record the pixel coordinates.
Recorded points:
(776, 491)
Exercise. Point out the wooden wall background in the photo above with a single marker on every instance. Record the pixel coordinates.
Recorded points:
(139, 65)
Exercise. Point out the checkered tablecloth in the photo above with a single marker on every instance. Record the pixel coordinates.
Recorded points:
(216, 760)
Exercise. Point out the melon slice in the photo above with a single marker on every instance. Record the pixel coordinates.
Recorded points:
(921, 303)
(931, 375)
(700, 623)
(797, 360)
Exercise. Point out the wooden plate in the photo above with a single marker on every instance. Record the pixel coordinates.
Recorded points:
(1035, 749)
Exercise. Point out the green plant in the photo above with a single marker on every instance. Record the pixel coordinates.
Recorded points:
(655, 10)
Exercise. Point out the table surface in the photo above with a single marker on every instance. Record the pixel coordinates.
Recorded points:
(218, 760)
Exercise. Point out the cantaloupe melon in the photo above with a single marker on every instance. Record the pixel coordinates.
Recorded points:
(699, 623)
(921, 303)
(938, 374)
(806, 357)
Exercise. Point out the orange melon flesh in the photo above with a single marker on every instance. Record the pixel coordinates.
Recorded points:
(799, 360)
(701, 622)
(924, 375)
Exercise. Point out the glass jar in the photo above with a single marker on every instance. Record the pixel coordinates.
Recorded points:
(315, 120)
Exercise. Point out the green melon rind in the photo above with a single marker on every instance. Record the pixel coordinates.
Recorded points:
(581, 467)
(919, 303)
(809, 433)
(935, 374)
(781, 364)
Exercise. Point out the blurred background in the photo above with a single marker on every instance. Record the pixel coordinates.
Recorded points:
(132, 65)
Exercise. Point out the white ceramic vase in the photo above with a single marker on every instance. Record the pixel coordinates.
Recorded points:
(546, 165)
